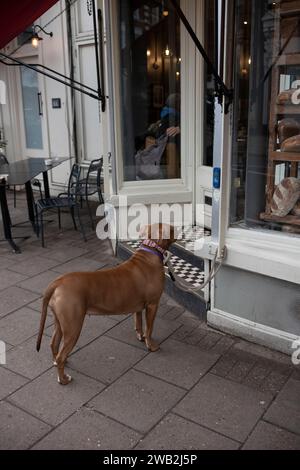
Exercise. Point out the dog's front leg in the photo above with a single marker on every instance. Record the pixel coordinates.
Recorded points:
(138, 325)
(150, 317)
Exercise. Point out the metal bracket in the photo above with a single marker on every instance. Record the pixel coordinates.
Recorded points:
(221, 89)
(54, 75)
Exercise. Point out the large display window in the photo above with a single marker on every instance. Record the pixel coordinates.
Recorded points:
(266, 120)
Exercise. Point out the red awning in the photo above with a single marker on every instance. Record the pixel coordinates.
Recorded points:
(16, 16)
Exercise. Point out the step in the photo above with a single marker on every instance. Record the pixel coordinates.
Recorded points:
(188, 266)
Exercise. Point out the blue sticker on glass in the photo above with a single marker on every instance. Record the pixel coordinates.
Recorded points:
(217, 178)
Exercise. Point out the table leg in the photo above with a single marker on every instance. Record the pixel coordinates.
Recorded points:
(46, 184)
(6, 218)
(30, 204)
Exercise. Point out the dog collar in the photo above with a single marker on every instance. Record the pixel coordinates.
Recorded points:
(144, 248)
(152, 244)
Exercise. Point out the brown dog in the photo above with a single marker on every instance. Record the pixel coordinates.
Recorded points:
(133, 286)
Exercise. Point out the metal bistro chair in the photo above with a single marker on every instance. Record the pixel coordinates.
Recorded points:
(92, 185)
(63, 200)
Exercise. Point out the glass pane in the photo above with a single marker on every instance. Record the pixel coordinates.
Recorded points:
(210, 44)
(266, 134)
(150, 88)
(32, 119)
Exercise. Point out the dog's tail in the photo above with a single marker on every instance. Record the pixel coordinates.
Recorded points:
(47, 296)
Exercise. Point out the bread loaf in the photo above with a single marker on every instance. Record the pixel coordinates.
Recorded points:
(296, 210)
(285, 97)
(291, 145)
(285, 197)
(288, 128)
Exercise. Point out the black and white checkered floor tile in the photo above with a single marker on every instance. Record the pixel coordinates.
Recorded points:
(190, 235)
(186, 271)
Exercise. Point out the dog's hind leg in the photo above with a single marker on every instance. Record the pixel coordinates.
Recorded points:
(55, 340)
(71, 327)
(138, 325)
(150, 317)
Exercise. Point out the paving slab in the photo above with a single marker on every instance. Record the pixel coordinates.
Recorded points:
(170, 312)
(266, 436)
(285, 410)
(5, 262)
(224, 406)
(64, 254)
(33, 266)
(19, 430)
(177, 433)
(25, 360)
(9, 383)
(21, 325)
(87, 429)
(39, 283)
(125, 331)
(36, 305)
(14, 298)
(46, 399)
(223, 345)
(10, 278)
(189, 333)
(178, 363)
(262, 352)
(296, 373)
(79, 264)
(105, 359)
(274, 382)
(137, 400)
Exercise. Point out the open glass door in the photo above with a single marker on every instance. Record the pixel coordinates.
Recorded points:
(208, 32)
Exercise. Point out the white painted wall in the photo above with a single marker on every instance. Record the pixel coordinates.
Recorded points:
(54, 52)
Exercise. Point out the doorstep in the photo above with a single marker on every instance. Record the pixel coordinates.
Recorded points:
(188, 266)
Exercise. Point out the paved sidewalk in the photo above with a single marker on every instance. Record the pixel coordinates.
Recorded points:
(201, 390)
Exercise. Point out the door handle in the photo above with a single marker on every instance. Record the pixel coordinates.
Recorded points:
(40, 103)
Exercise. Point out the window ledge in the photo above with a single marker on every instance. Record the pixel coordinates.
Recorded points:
(273, 255)
(152, 196)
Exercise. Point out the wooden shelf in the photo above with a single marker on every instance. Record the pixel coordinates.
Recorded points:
(290, 8)
(288, 59)
(288, 219)
(288, 109)
(284, 156)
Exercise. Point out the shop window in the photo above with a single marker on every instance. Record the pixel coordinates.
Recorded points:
(150, 90)
(266, 131)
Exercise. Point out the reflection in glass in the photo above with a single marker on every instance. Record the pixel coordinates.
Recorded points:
(32, 119)
(266, 133)
(150, 90)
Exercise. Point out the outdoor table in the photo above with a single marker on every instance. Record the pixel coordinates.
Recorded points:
(21, 173)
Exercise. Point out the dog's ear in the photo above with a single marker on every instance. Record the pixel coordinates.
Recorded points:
(167, 235)
(144, 231)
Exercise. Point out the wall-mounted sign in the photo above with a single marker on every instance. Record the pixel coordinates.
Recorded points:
(56, 103)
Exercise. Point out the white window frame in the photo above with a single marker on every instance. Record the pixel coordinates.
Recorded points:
(176, 190)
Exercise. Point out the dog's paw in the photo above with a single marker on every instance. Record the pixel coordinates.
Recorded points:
(65, 380)
(152, 346)
(140, 336)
